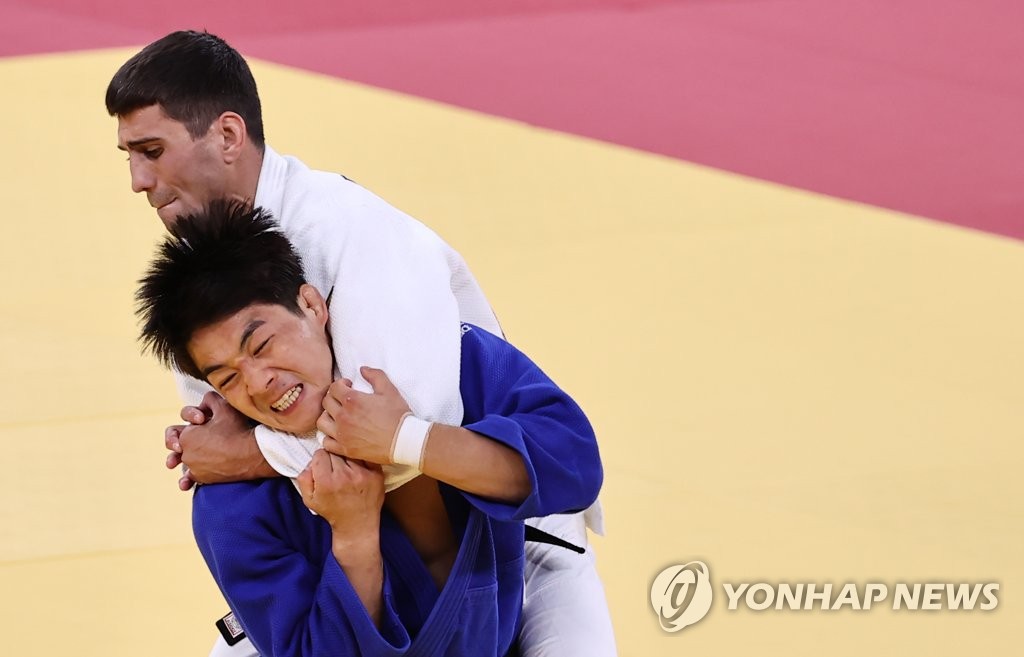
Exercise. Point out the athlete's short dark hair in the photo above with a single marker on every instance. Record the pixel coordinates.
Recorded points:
(194, 77)
(214, 264)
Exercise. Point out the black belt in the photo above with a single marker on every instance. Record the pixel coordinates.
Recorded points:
(534, 535)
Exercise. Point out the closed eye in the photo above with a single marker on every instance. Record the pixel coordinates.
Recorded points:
(228, 380)
(149, 153)
(262, 345)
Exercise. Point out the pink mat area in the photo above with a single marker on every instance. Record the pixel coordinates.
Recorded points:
(913, 105)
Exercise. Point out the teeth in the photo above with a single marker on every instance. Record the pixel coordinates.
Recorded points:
(287, 399)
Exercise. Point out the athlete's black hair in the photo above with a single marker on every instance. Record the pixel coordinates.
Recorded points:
(194, 77)
(214, 264)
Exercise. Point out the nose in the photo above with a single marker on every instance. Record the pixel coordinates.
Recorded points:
(142, 174)
(258, 380)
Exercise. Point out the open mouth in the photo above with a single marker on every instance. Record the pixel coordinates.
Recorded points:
(287, 399)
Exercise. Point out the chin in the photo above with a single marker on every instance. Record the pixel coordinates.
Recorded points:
(168, 215)
(299, 428)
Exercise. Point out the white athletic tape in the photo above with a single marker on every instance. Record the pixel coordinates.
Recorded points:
(410, 441)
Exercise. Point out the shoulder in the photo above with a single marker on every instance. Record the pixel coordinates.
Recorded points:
(305, 189)
(290, 189)
(490, 366)
(326, 210)
(477, 338)
(483, 349)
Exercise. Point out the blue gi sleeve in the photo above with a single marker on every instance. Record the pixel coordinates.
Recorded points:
(272, 560)
(509, 399)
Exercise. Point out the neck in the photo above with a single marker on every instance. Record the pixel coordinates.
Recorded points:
(245, 174)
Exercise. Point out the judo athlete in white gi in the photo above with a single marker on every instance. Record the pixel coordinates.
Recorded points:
(359, 580)
(189, 118)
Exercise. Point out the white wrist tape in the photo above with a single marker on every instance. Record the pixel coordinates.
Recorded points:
(410, 441)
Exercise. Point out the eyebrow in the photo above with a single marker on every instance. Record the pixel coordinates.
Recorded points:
(246, 336)
(135, 143)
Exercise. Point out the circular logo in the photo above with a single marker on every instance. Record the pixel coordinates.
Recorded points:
(681, 595)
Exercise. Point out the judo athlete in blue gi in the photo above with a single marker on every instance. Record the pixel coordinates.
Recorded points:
(434, 567)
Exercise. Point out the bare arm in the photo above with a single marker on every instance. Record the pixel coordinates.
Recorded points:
(217, 447)
(349, 496)
(476, 464)
(362, 426)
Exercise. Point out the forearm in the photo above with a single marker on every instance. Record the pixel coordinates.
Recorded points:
(260, 469)
(225, 460)
(361, 561)
(475, 464)
(249, 461)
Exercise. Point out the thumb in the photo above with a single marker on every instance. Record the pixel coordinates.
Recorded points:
(377, 379)
(212, 402)
(305, 481)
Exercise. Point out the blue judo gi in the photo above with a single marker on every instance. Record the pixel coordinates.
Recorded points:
(272, 558)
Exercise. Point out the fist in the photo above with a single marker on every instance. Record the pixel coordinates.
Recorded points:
(347, 493)
(361, 425)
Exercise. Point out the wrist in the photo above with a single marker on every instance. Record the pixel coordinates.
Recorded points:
(362, 548)
(257, 466)
(410, 441)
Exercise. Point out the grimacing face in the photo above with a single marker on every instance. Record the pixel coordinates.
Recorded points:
(269, 363)
(179, 175)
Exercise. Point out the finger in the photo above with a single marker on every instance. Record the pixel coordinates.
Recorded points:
(377, 379)
(186, 436)
(334, 446)
(332, 406)
(340, 389)
(339, 463)
(306, 484)
(357, 464)
(173, 460)
(185, 483)
(335, 462)
(193, 415)
(320, 465)
(211, 403)
(326, 424)
(171, 434)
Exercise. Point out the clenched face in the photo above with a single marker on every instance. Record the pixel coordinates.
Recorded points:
(269, 363)
(179, 175)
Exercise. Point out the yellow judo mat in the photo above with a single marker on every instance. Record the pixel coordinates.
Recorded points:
(786, 387)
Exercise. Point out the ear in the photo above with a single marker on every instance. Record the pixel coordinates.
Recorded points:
(311, 301)
(231, 128)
